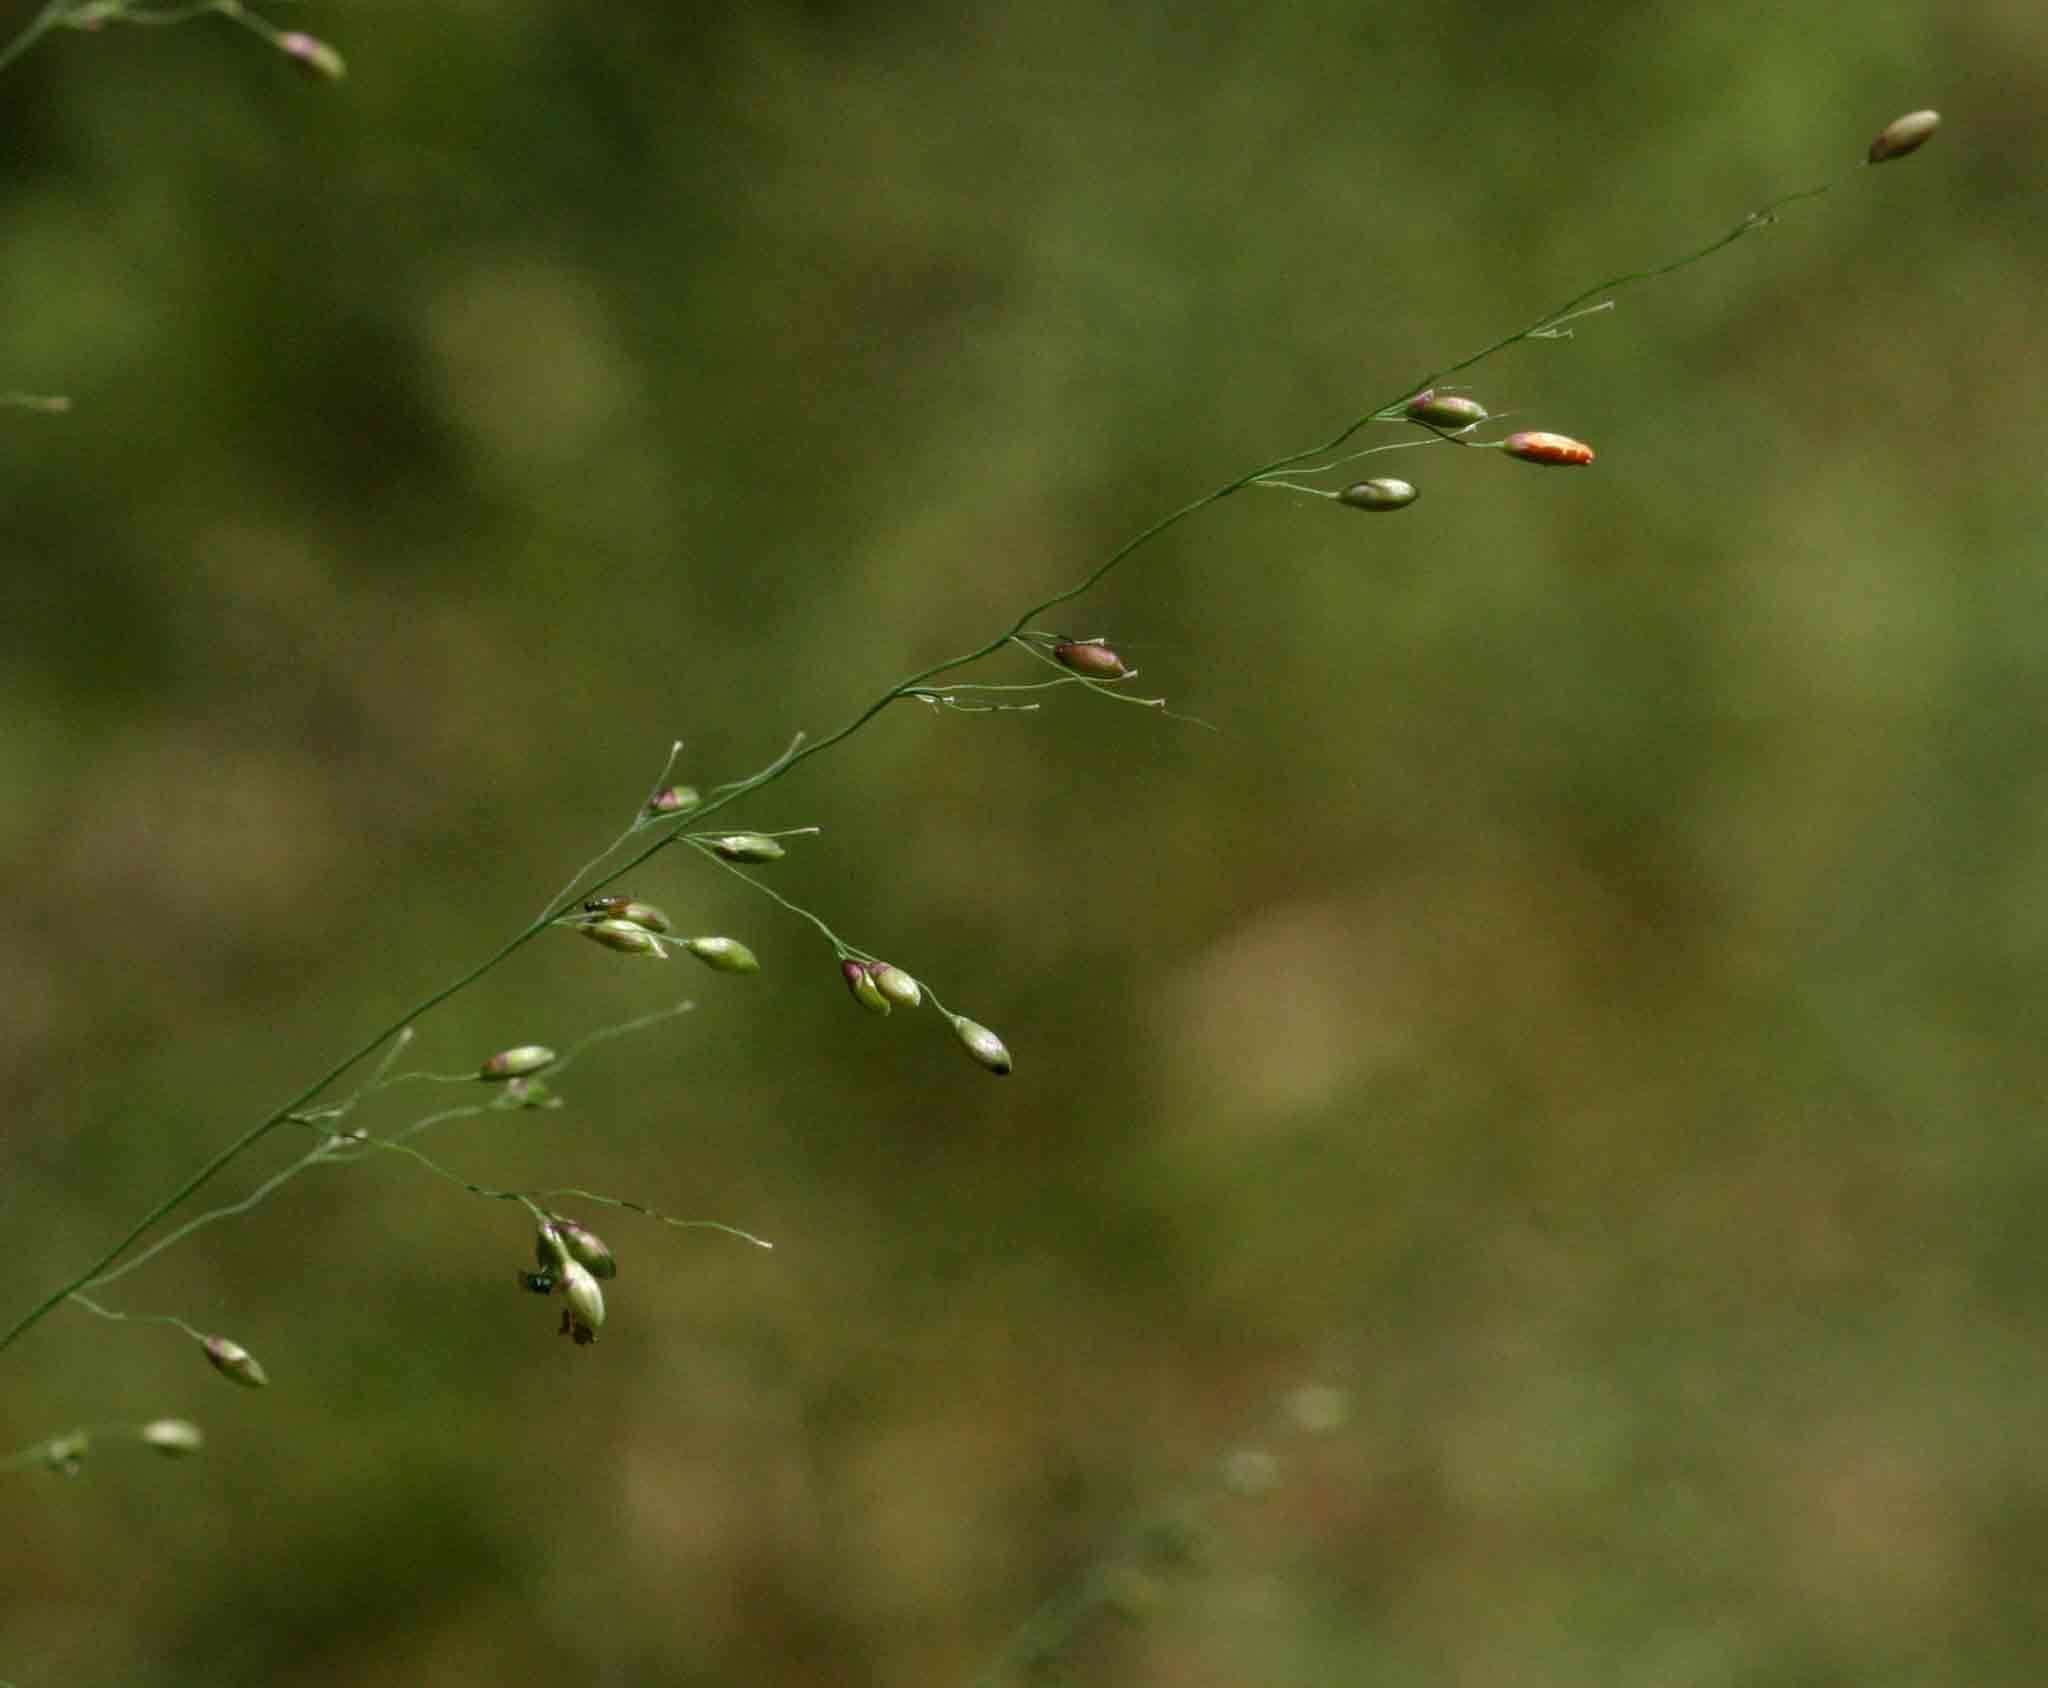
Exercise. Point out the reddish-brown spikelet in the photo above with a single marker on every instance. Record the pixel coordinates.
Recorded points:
(1559, 449)
(1090, 657)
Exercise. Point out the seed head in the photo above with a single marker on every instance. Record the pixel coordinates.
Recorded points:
(531, 1093)
(897, 986)
(1444, 410)
(626, 909)
(173, 1437)
(864, 989)
(550, 1247)
(517, 1063)
(1090, 657)
(586, 1247)
(624, 936)
(723, 955)
(982, 1044)
(234, 1362)
(585, 1310)
(674, 800)
(1559, 449)
(1903, 135)
(1384, 493)
(313, 53)
(748, 847)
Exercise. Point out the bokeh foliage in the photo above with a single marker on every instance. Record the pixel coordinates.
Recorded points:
(1584, 1005)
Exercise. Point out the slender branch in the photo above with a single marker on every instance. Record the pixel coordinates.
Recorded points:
(531, 1199)
(1548, 324)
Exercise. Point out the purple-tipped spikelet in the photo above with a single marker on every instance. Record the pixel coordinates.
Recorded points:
(313, 53)
(674, 800)
(865, 992)
(586, 1247)
(1444, 410)
(234, 1362)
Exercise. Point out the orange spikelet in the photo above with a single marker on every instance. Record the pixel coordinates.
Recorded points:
(1559, 449)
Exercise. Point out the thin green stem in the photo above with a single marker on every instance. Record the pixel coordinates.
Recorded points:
(1160, 1543)
(56, 14)
(341, 1148)
(267, 1124)
(657, 1215)
(532, 1200)
(171, 1319)
(37, 27)
(774, 896)
(212, 1216)
(998, 686)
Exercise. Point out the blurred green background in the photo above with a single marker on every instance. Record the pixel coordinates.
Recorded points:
(1525, 1159)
